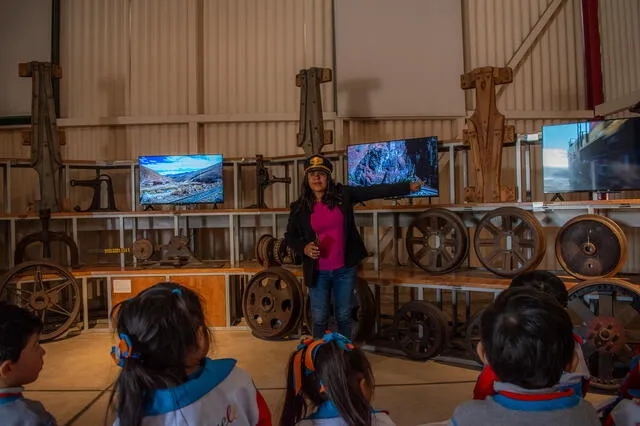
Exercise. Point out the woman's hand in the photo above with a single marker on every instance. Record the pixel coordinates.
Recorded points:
(312, 250)
(415, 186)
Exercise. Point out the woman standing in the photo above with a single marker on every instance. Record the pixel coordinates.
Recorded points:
(322, 230)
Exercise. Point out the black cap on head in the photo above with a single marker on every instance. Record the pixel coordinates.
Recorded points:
(318, 163)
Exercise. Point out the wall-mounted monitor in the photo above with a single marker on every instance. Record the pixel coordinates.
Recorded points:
(404, 160)
(181, 179)
(595, 156)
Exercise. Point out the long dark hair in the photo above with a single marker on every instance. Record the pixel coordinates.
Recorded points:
(340, 372)
(164, 323)
(332, 196)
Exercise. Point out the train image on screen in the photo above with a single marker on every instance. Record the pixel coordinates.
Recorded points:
(181, 179)
(406, 160)
(592, 156)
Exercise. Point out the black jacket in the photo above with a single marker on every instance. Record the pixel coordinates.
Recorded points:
(300, 233)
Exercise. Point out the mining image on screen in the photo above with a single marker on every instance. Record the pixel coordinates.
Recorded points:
(181, 179)
(407, 160)
(598, 156)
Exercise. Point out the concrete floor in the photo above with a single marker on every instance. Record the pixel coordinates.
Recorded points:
(78, 372)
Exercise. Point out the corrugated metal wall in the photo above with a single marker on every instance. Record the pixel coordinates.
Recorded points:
(620, 40)
(228, 67)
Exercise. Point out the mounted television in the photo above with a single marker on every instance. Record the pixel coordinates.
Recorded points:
(404, 160)
(181, 179)
(595, 156)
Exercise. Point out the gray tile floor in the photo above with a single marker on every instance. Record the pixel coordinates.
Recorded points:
(78, 372)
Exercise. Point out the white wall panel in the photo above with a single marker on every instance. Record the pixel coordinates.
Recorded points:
(620, 40)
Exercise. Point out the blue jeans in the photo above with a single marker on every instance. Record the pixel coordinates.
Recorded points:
(342, 282)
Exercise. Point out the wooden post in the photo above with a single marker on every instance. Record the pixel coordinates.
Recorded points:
(485, 133)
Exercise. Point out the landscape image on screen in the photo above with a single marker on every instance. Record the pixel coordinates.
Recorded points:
(592, 156)
(181, 179)
(406, 160)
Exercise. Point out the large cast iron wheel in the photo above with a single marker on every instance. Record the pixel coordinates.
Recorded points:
(437, 241)
(363, 312)
(263, 248)
(272, 303)
(607, 313)
(420, 330)
(591, 246)
(509, 241)
(48, 290)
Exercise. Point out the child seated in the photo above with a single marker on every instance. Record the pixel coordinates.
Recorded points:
(166, 377)
(625, 410)
(548, 283)
(527, 339)
(330, 382)
(21, 359)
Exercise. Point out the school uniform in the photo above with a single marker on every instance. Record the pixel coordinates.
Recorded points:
(16, 410)
(513, 405)
(623, 411)
(219, 394)
(578, 380)
(327, 415)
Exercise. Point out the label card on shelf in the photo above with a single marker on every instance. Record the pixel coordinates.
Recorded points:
(121, 286)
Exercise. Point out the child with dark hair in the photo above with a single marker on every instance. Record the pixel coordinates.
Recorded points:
(625, 409)
(330, 382)
(550, 284)
(527, 339)
(166, 377)
(21, 359)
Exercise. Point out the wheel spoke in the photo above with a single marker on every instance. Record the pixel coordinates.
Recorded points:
(420, 253)
(54, 290)
(605, 305)
(507, 222)
(519, 255)
(626, 314)
(491, 228)
(527, 242)
(447, 257)
(416, 240)
(578, 306)
(522, 227)
(485, 242)
(58, 310)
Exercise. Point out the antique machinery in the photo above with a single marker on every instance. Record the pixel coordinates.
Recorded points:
(591, 246)
(46, 237)
(437, 241)
(96, 185)
(271, 251)
(272, 303)
(607, 315)
(43, 137)
(363, 312)
(263, 180)
(176, 253)
(311, 134)
(486, 133)
(48, 290)
(509, 241)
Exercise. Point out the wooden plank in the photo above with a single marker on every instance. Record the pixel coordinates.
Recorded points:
(212, 291)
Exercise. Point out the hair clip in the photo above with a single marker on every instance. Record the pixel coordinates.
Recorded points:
(123, 351)
(177, 291)
(305, 355)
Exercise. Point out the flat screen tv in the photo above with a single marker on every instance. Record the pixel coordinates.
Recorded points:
(595, 156)
(404, 160)
(181, 179)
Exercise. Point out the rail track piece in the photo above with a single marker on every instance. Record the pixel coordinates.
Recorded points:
(420, 330)
(509, 241)
(437, 241)
(606, 312)
(272, 303)
(48, 290)
(591, 246)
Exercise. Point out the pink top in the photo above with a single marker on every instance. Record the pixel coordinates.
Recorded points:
(329, 226)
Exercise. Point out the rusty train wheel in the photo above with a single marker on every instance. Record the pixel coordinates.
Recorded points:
(46, 289)
(279, 251)
(142, 249)
(607, 315)
(509, 241)
(272, 303)
(437, 241)
(420, 330)
(262, 254)
(591, 246)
